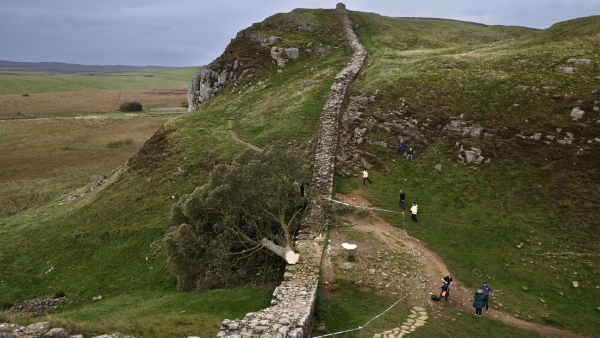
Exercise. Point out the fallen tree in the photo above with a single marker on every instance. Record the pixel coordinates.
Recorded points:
(241, 221)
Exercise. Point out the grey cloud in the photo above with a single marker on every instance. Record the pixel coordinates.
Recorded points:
(194, 32)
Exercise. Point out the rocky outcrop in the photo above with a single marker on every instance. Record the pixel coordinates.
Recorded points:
(227, 68)
(42, 330)
(212, 79)
(462, 128)
(36, 307)
(282, 55)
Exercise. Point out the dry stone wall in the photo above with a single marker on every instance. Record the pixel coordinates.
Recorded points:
(291, 313)
(328, 134)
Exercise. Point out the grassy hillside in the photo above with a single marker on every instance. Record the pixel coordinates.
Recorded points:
(27, 83)
(540, 194)
(108, 241)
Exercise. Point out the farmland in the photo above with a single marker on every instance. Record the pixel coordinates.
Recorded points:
(66, 132)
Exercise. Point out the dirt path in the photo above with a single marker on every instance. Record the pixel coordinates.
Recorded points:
(237, 139)
(385, 263)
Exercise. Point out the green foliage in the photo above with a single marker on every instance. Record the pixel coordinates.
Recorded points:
(218, 229)
(130, 106)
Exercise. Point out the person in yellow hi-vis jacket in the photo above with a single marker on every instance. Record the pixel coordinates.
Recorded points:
(366, 177)
(413, 211)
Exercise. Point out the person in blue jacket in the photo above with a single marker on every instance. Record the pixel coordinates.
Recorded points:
(401, 146)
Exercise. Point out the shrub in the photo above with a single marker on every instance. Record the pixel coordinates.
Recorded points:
(5, 306)
(115, 145)
(59, 294)
(128, 141)
(130, 106)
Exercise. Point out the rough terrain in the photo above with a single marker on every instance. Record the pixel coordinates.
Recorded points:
(385, 265)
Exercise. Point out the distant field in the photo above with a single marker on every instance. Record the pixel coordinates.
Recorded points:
(28, 83)
(41, 158)
(65, 147)
(82, 102)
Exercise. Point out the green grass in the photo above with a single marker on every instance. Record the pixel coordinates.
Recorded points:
(105, 243)
(23, 83)
(162, 314)
(352, 308)
(108, 242)
(532, 193)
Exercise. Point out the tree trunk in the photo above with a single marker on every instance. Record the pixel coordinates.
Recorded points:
(290, 256)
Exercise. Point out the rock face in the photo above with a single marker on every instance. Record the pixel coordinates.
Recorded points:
(282, 55)
(212, 79)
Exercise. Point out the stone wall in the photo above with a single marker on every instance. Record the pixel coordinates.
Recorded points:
(328, 133)
(291, 313)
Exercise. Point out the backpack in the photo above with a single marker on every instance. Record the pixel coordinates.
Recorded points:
(435, 298)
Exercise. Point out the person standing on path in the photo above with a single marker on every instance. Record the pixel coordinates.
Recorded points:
(402, 198)
(366, 177)
(447, 281)
(486, 289)
(478, 302)
(413, 211)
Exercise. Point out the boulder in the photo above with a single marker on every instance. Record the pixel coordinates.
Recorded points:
(579, 61)
(577, 114)
(9, 328)
(37, 329)
(56, 333)
(470, 155)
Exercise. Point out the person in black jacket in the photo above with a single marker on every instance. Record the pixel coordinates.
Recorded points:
(402, 198)
(447, 281)
(410, 154)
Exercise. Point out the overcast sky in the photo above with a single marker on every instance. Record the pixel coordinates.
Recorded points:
(194, 32)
